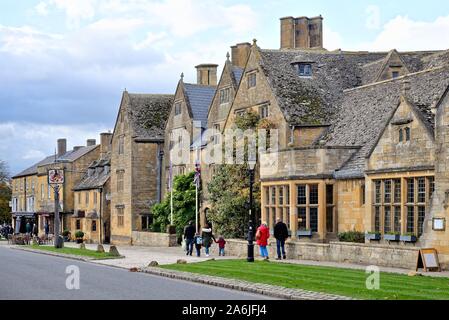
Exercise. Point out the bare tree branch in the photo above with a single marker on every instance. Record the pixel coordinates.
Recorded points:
(4, 171)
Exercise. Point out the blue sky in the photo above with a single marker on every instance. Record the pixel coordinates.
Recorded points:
(64, 63)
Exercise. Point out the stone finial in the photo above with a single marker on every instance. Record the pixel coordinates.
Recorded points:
(182, 76)
(228, 56)
(254, 42)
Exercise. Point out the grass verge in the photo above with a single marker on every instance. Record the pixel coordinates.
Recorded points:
(345, 282)
(76, 252)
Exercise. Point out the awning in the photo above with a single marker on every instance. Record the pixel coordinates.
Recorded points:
(23, 214)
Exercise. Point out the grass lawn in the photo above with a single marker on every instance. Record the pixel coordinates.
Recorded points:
(346, 282)
(75, 251)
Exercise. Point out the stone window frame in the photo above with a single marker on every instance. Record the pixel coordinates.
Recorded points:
(78, 225)
(178, 108)
(216, 137)
(331, 209)
(308, 206)
(120, 180)
(395, 74)
(277, 204)
(264, 111)
(121, 144)
(120, 211)
(225, 95)
(252, 79)
(304, 69)
(93, 226)
(407, 213)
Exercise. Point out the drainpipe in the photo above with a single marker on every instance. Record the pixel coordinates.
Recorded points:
(160, 155)
(101, 213)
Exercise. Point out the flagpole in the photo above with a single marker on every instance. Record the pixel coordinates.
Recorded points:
(196, 194)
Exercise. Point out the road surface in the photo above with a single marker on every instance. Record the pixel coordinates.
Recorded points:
(27, 275)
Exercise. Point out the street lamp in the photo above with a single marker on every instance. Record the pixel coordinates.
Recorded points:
(251, 169)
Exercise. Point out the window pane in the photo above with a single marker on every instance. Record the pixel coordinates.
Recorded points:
(410, 219)
(302, 200)
(287, 196)
(401, 135)
(421, 190)
(302, 223)
(281, 196)
(421, 216)
(377, 219)
(313, 194)
(329, 194)
(273, 195)
(431, 186)
(397, 191)
(314, 219)
(267, 195)
(377, 191)
(387, 191)
(397, 219)
(410, 190)
(330, 219)
(387, 220)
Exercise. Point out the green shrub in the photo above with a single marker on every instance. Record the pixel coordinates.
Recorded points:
(79, 234)
(352, 236)
(66, 233)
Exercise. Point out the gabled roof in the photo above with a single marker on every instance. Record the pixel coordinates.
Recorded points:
(198, 99)
(366, 110)
(148, 114)
(70, 156)
(314, 100)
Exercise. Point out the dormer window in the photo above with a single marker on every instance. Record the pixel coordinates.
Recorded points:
(263, 111)
(252, 80)
(395, 74)
(224, 95)
(305, 69)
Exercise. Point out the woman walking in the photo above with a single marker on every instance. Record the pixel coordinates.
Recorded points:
(208, 238)
(262, 235)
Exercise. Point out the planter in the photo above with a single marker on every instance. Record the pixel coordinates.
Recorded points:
(304, 233)
(79, 241)
(372, 236)
(411, 238)
(392, 237)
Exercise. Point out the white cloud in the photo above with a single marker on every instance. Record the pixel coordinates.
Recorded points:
(373, 17)
(403, 33)
(75, 10)
(332, 40)
(41, 8)
(33, 141)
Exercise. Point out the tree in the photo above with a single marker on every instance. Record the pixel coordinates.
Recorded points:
(184, 206)
(5, 193)
(229, 188)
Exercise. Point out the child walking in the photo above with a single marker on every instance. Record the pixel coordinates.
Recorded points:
(221, 246)
(198, 241)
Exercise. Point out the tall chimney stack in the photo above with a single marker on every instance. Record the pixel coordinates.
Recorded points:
(105, 143)
(302, 33)
(62, 147)
(91, 142)
(240, 53)
(207, 74)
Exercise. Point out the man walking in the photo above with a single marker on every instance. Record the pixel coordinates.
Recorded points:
(281, 234)
(189, 235)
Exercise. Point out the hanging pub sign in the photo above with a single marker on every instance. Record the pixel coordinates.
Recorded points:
(56, 176)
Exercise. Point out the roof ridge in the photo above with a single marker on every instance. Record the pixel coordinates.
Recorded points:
(396, 79)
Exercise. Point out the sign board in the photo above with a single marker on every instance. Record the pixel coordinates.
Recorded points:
(56, 176)
(428, 260)
(439, 224)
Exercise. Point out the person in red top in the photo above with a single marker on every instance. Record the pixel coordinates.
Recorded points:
(262, 235)
(221, 246)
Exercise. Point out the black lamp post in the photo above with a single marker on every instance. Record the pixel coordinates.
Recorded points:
(251, 169)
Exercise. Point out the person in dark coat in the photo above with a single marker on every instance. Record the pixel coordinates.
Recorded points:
(281, 234)
(198, 241)
(47, 229)
(208, 238)
(189, 235)
(28, 228)
(35, 231)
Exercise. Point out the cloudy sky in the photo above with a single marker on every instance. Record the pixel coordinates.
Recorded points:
(64, 63)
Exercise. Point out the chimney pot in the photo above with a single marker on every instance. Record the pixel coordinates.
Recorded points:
(62, 147)
(91, 142)
(105, 143)
(77, 148)
(240, 53)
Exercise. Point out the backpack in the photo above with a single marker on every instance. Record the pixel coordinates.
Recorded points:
(199, 240)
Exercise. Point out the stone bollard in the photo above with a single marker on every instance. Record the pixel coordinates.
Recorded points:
(153, 264)
(100, 248)
(113, 251)
(181, 261)
(82, 246)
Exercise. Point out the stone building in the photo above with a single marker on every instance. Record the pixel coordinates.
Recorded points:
(136, 163)
(33, 198)
(358, 147)
(187, 120)
(92, 198)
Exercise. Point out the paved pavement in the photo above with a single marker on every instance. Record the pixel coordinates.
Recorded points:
(34, 276)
